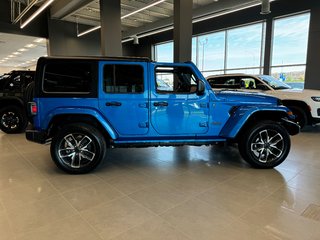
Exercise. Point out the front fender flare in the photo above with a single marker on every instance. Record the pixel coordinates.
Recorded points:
(240, 116)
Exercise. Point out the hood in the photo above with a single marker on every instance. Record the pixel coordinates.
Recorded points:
(247, 97)
(302, 91)
(305, 94)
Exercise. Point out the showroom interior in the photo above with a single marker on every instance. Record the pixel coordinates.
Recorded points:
(183, 192)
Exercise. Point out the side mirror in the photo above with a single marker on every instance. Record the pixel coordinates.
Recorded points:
(201, 88)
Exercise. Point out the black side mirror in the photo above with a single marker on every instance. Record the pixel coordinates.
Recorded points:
(201, 88)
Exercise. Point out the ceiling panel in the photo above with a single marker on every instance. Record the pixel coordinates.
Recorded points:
(19, 51)
(88, 12)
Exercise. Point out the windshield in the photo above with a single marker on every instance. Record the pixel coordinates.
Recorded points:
(274, 83)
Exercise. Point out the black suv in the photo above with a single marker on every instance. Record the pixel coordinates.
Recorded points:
(16, 89)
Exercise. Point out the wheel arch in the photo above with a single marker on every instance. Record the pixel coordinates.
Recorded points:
(15, 101)
(300, 104)
(261, 116)
(243, 119)
(58, 121)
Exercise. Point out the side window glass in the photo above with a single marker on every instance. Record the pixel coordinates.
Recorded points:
(225, 82)
(175, 80)
(120, 78)
(68, 77)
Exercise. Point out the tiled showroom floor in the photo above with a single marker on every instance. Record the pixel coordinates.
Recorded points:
(160, 193)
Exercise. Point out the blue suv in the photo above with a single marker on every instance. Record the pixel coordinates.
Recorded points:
(86, 105)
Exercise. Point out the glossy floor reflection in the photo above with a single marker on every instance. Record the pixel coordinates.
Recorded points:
(160, 193)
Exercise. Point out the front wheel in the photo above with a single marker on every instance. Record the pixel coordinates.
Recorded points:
(78, 148)
(265, 145)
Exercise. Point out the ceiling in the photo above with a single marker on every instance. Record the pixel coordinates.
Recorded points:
(17, 51)
(87, 12)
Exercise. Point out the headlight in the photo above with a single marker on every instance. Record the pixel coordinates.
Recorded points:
(316, 99)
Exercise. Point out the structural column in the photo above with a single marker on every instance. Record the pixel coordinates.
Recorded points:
(312, 80)
(182, 32)
(110, 15)
(268, 46)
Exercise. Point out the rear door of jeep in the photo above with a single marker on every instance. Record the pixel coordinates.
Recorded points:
(123, 96)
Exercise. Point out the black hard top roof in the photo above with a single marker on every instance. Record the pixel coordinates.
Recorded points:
(102, 58)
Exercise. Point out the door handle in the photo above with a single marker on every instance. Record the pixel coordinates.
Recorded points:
(160, 104)
(115, 104)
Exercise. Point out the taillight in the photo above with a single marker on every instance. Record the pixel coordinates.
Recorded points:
(33, 108)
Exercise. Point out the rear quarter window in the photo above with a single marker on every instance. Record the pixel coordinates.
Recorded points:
(67, 77)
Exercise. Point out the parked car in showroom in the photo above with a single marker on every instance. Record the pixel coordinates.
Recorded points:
(16, 90)
(305, 104)
(86, 105)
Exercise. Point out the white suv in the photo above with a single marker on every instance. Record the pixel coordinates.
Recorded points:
(305, 104)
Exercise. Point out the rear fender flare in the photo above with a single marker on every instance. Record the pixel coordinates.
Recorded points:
(82, 112)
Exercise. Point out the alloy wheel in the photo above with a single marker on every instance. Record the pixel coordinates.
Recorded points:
(268, 145)
(77, 150)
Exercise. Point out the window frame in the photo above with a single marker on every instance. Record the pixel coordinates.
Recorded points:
(174, 92)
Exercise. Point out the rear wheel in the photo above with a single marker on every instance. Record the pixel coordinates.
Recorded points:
(13, 119)
(78, 148)
(265, 145)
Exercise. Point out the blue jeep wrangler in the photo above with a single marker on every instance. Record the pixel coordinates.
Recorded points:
(86, 105)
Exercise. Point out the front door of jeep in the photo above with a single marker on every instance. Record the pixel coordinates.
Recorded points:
(123, 96)
(176, 109)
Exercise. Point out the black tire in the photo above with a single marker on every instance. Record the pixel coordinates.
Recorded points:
(265, 145)
(301, 116)
(82, 142)
(13, 119)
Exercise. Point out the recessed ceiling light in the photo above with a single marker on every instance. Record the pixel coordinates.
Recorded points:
(16, 53)
(22, 50)
(11, 56)
(6, 58)
(30, 45)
